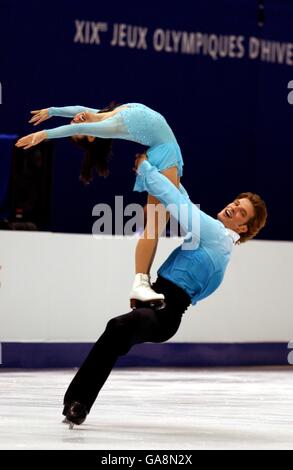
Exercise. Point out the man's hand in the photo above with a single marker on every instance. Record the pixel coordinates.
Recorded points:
(39, 116)
(31, 140)
(139, 158)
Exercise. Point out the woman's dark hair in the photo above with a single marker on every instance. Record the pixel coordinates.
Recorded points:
(97, 153)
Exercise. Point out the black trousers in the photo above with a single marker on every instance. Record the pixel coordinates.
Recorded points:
(138, 326)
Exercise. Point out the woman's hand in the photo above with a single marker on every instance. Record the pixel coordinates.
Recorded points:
(84, 117)
(80, 117)
(39, 116)
(139, 158)
(31, 140)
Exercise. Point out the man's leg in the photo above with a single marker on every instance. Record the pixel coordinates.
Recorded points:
(121, 333)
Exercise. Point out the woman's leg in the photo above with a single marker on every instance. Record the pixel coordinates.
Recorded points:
(147, 245)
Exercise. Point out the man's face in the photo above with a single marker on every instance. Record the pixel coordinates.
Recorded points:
(236, 215)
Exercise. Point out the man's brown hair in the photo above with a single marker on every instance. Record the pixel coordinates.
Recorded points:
(256, 223)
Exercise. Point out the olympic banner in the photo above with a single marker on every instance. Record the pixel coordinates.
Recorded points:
(219, 71)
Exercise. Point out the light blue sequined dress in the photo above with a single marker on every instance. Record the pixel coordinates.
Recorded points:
(135, 122)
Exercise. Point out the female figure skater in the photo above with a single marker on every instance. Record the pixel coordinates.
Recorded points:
(137, 123)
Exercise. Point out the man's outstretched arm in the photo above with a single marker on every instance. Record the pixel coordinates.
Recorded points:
(176, 202)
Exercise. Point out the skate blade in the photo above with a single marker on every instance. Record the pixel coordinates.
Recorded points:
(157, 304)
(66, 421)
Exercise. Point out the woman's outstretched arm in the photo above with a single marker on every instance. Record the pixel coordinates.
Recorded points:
(40, 115)
(111, 128)
(70, 111)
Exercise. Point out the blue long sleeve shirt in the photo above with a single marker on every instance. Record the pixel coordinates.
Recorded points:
(70, 111)
(199, 264)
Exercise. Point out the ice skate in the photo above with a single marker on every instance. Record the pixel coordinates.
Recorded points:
(75, 413)
(65, 421)
(142, 292)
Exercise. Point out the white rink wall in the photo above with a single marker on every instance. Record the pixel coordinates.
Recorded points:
(64, 288)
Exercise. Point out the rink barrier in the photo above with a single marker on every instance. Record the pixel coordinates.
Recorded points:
(68, 355)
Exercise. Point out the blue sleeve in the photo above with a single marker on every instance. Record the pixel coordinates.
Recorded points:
(111, 128)
(175, 200)
(183, 191)
(70, 111)
(203, 228)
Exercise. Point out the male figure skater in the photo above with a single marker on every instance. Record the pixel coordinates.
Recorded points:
(187, 276)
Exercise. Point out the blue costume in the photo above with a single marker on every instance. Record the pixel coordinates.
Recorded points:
(135, 122)
(198, 271)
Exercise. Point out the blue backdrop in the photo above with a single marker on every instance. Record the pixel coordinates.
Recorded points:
(219, 78)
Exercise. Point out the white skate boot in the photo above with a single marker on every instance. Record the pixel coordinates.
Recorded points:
(142, 292)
